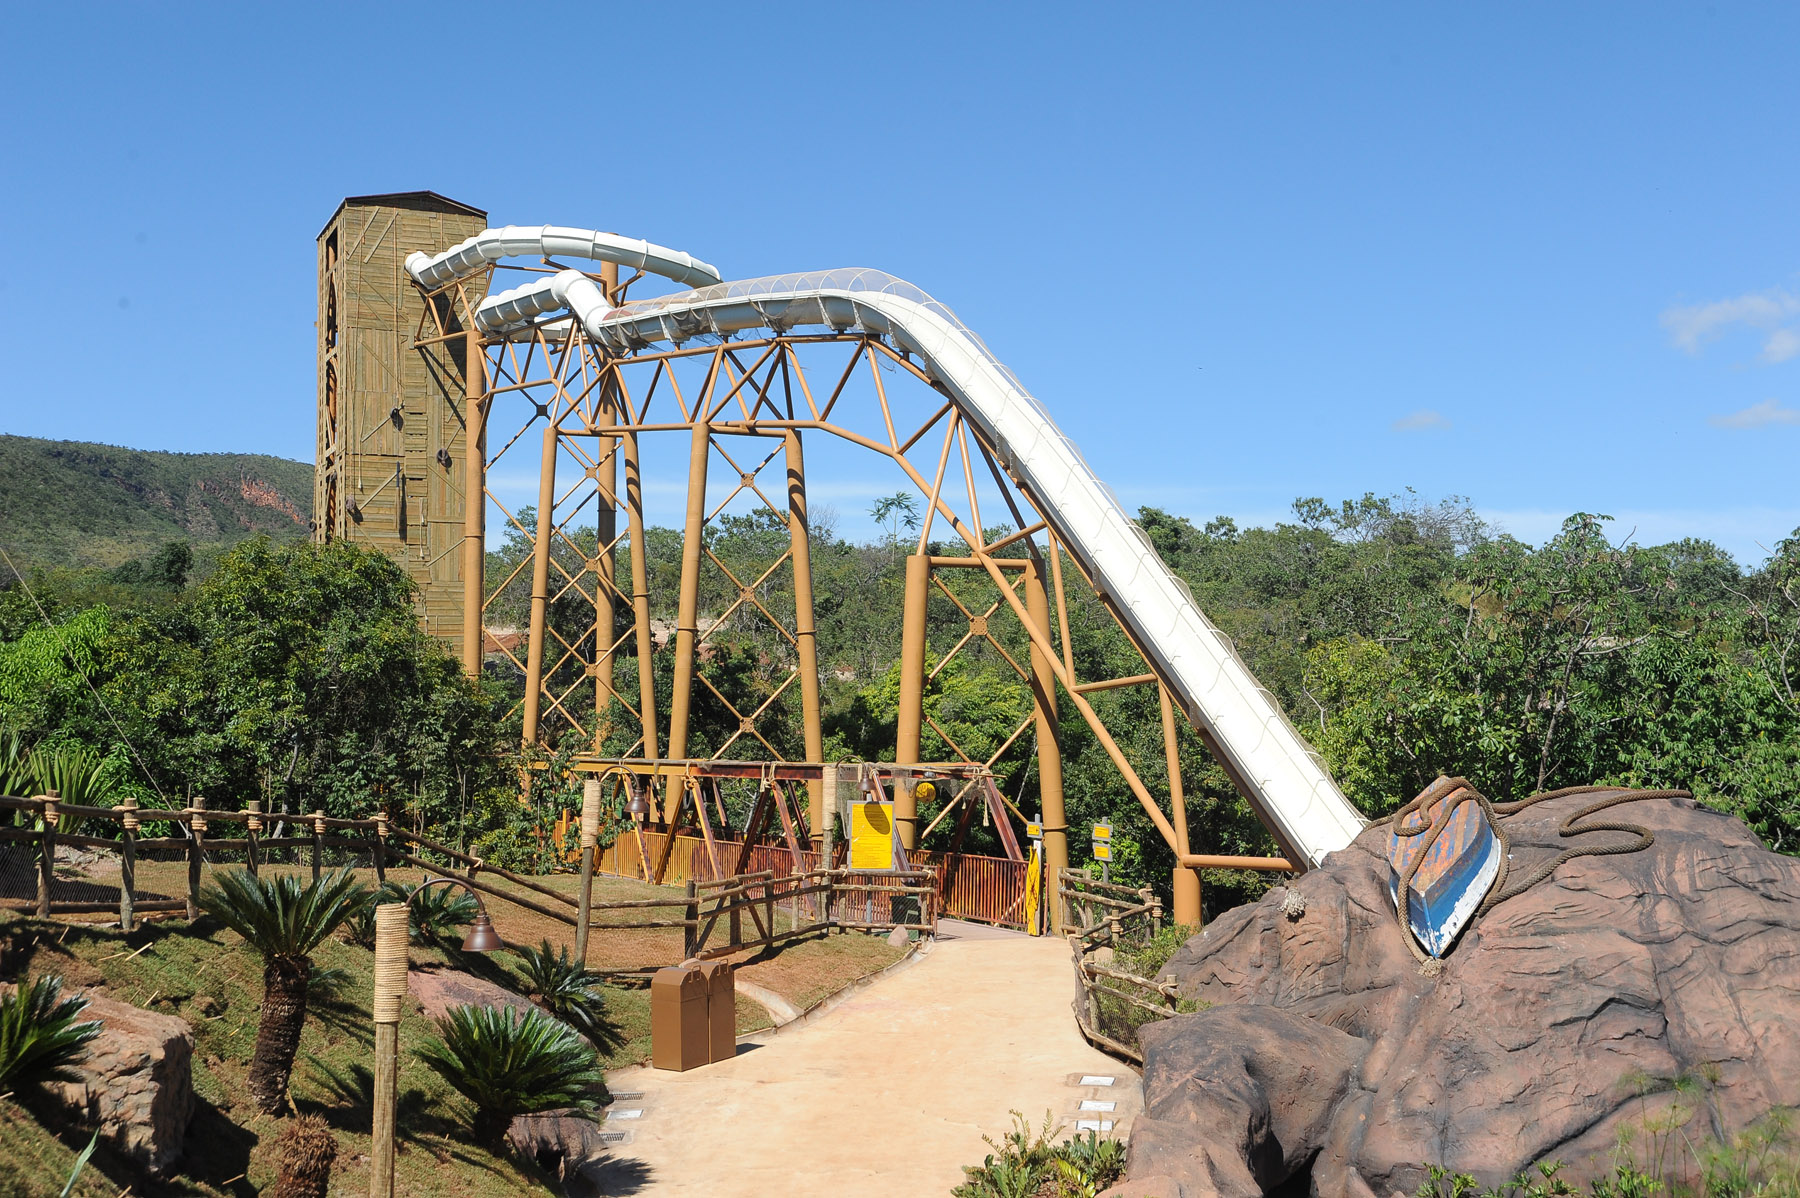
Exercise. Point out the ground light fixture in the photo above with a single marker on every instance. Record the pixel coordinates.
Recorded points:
(391, 936)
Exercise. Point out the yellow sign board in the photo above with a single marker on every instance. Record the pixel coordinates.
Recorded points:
(1102, 831)
(872, 836)
(1102, 851)
(1035, 831)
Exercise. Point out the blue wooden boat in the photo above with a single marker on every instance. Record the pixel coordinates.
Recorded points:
(1457, 869)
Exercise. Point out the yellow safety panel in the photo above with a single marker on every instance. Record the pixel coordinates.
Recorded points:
(872, 836)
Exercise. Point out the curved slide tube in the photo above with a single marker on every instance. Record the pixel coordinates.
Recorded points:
(1283, 780)
(556, 241)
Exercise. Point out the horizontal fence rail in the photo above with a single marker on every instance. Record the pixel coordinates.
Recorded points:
(783, 895)
(1104, 923)
(980, 889)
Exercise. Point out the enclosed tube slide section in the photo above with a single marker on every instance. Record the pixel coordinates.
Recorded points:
(1286, 783)
(556, 241)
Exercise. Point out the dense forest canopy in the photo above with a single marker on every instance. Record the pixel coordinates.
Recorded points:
(1402, 638)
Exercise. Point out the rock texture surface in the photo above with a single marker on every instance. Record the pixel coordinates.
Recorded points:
(137, 1083)
(1328, 1054)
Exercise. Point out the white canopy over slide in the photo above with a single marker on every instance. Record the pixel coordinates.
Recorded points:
(1286, 783)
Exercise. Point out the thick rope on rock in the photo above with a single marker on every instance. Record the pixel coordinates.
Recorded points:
(1458, 791)
(390, 961)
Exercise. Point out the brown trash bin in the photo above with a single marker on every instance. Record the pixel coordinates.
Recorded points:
(721, 1002)
(679, 1038)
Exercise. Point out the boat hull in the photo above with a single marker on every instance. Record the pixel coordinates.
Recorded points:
(1455, 874)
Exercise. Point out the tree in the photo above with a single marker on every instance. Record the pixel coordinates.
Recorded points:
(896, 511)
(282, 920)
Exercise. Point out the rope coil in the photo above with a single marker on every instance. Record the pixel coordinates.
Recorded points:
(590, 813)
(390, 961)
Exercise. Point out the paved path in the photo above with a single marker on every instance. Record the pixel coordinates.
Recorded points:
(888, 1093)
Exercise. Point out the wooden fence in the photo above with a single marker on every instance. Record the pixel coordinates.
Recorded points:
(1103, 921)
(982, 889)
(766, 906)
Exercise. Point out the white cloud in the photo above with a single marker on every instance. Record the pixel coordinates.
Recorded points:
(1420, 421)
(1781, 345)
(1760, 415)
(1772, 311)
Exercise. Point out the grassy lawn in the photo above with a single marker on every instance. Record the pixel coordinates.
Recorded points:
(171, 967)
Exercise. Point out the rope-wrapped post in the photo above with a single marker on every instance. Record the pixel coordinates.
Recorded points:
(590, 840)
(381, 834)
(390, 991)
(128, 821)
(46, 855)
(318, 839)
(197, 830)
(252, 828)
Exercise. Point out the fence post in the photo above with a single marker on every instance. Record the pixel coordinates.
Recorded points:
(690, 931)
(128, 818)
(196, 832)
(830, 897)
(381, 831)
(590, 838)
(318, 838)
(252, 828)
(46, 855)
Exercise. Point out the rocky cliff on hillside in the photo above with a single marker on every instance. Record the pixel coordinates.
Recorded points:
(1328, 1060)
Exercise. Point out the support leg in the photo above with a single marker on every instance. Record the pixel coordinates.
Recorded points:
(687, 613)
(912, 691)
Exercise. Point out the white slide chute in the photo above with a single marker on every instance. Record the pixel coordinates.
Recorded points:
(1290, 789)
(556, 241)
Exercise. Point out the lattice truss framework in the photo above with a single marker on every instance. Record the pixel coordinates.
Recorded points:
(747, 404)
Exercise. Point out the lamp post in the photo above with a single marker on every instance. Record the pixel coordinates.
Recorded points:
(390, 988)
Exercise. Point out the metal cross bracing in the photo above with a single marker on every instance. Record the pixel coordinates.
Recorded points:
(745, 405)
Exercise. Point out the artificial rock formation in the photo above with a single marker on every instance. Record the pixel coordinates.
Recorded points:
(1328, 1056)
(136, 1085)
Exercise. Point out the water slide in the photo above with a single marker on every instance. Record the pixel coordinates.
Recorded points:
(1281, 777)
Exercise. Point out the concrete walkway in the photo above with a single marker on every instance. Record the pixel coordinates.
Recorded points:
(888, 1093)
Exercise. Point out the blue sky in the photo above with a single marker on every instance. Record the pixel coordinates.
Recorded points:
(1543, 256)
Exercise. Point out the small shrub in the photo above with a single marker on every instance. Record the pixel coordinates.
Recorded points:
(1025, 1162)
(509, 1063)
(567, 989)
(432, 916)
(41, 1035)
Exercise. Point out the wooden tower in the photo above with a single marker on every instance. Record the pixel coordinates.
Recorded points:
(391, 429)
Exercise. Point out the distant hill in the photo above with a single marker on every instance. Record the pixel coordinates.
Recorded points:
(72, 503)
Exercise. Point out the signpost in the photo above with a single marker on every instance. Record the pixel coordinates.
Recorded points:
(1034, 886)
(1102, 845)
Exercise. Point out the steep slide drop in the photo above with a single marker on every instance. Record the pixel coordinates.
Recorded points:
(1291, 791)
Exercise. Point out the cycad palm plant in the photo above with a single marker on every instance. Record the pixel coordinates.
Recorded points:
(509, 1063)
(283, 919)
(567, 989)
(41, 1035)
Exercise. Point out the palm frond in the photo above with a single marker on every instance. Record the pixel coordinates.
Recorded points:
(41, 1034)
(284, 916)
(567, 989)
(509, 1062)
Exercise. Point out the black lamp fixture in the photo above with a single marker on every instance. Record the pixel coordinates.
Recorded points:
(482, 937)
(638, 806)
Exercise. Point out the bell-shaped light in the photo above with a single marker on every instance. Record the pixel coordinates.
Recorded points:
(481, 938)
(638, 806)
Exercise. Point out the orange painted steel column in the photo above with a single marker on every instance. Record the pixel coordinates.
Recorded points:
(1186, 880)
(912, 693)
(1049, 738)
(687, 618)
(474, 556)
(806, 636)
(540, 584)
(640, 590)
